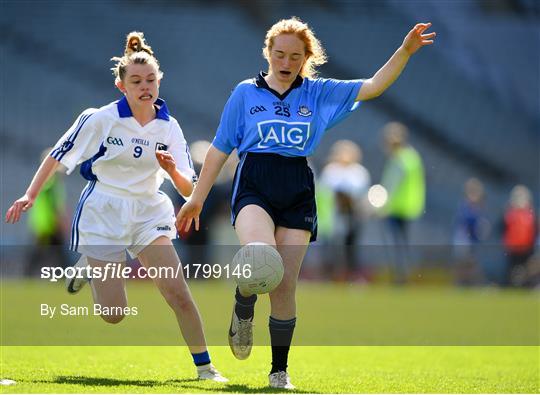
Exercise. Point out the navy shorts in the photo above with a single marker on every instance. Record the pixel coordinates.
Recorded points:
(282, 186)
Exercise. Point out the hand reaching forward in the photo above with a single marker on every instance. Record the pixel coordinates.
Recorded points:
(20, 205)
(190, 211)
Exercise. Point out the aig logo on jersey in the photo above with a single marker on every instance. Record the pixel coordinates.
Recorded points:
(284, 134)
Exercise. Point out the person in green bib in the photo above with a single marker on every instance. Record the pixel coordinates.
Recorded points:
(404, 180)
(47, 223)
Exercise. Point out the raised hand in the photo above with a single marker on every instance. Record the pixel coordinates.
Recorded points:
(166, 161)
(416, 38)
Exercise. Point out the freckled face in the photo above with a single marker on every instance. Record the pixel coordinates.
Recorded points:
(287, 57)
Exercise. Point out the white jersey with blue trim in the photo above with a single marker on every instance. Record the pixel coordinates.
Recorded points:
(258, 119)
(119, 153)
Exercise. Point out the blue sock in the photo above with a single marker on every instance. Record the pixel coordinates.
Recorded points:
(200, 359)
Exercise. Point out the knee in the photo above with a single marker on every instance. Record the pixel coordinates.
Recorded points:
(112, 319)
(111, 314)
(286, 288)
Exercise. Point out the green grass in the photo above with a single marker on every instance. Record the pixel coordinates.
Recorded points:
(349, 339)
(328, 314)
(313, 369)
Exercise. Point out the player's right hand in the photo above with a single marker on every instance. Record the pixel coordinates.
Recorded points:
(22, 204)
(190, 211)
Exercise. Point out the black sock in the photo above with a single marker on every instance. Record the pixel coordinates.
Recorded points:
(281, 333)
(244, 307)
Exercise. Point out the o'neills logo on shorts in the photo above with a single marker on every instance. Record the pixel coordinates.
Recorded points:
(276, 133)
(166, 227)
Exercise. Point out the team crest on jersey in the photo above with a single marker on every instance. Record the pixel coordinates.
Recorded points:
(66, 146)
(304, 111)
(283, 134)
(161, 147)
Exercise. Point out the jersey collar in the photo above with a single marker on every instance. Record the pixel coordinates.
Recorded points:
(125, 112)
(260, 82)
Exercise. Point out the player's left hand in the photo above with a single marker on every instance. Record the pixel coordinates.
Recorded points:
(416, 38)
(166, 161)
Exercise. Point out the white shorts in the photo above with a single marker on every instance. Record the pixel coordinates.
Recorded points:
(108, 222)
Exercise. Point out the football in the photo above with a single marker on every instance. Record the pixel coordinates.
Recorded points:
(261, 268)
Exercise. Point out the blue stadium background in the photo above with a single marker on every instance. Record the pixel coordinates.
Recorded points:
(471, 101)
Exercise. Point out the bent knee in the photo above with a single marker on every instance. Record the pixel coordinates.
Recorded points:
(111, 314)
(112, 319)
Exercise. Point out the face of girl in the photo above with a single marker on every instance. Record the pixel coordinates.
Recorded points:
(287, 57)
(140, 84)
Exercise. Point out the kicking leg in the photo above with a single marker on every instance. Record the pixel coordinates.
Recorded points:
(253, 224)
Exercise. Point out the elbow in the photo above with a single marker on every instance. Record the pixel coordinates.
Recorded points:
(376, 93)
(376, 90)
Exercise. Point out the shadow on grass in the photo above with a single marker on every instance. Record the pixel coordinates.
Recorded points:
(184, 383)
(239, 388)
(111, 382)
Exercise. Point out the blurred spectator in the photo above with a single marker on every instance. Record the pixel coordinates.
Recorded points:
(470, 229)
(519, 234)
(348, 182)
(403, 179)
(47, 222)
(532, 279)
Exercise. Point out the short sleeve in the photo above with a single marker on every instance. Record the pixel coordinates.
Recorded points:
(337, 99)
(80, 142)
(231, 125)
(180, 152)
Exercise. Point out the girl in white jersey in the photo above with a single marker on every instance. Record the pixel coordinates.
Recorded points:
(125, 149)
(275, 121)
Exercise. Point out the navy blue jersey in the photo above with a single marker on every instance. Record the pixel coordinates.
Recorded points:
(259, 119)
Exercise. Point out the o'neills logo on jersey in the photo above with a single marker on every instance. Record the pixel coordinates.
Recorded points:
(283, 134)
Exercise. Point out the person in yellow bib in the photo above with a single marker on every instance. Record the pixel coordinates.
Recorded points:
(404, 180)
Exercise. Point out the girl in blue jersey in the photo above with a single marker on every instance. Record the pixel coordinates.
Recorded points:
(275, 121)
(126, 148)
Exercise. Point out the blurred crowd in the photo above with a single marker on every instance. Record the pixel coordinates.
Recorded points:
(348, 201)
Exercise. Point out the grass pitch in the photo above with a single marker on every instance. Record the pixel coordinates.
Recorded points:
(457, 341)
(97, 369)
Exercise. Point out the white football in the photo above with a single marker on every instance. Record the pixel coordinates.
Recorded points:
(261, 268)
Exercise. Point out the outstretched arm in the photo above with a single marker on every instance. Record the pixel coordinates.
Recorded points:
(25, 202)
(387, 74)
(213, 162)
